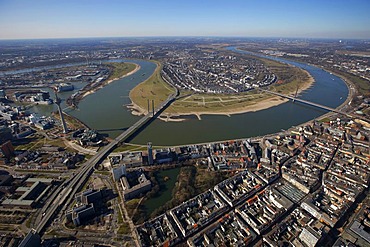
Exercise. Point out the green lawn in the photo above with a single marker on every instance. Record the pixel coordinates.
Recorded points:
(128, 148)
(37, 141)
(154, 88)
(120, 69)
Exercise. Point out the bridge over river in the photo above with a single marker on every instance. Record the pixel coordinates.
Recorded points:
(294, 98)
(61, 198)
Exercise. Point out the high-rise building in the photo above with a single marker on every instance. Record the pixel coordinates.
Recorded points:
(150, 154)
(7, 149)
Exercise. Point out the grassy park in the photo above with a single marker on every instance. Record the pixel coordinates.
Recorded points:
(154, 88)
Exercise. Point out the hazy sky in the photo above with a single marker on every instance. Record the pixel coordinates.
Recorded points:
(20, 19)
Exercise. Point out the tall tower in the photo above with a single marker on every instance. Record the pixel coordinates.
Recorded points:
(150, 154)
(57, 102)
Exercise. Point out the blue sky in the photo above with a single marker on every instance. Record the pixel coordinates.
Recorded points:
(22, 19)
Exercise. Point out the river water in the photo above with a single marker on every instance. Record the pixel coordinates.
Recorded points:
(328, 90)
(106, 111)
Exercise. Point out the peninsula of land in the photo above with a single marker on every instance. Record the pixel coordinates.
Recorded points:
(290, 80)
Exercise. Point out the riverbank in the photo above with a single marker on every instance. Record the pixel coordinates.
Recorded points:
(105, 83)
(110, 103)
(195, 104)
(258, 106)
(118, 71)
(355, 85)
(153, 90)
(239, 104)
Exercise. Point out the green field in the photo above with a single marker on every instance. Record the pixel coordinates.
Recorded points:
(120, 69)
(154, 88)
(36, 141)
(127, 147)
(215, 102)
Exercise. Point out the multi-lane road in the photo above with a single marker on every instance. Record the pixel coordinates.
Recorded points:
(68, 189)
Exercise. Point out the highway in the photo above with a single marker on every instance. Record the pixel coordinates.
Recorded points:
(63, 195)
(69, 188)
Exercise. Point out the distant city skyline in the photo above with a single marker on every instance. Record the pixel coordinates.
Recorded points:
(24, 19)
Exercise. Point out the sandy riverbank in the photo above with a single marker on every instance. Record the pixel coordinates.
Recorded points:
(136, 110)
(91, 91)
(261, 105)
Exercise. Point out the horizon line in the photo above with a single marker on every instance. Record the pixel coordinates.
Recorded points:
(183, 36)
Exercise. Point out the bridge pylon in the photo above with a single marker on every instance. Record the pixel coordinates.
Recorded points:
(296, 92)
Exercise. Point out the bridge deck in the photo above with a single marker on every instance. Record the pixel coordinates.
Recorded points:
(74, 184)
(308, 103)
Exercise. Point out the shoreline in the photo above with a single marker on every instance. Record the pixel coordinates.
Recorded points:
(91, 91)
(262, 105)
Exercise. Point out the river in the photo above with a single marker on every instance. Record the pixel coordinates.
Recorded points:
(106, 111)
(328, 90)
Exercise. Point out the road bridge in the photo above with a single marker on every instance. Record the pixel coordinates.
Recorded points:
(64, 194)
(311, 103)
